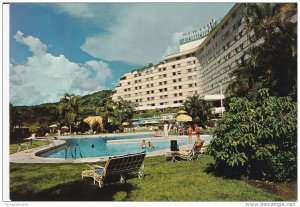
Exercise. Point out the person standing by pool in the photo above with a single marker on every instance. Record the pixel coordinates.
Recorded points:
(144, 144)
(190, 132)
(166, 131)
(197, 131)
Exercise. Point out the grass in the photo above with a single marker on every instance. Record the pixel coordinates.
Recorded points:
(13, 148)
(164, 181)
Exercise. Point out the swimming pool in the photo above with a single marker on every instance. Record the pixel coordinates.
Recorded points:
(103, 148)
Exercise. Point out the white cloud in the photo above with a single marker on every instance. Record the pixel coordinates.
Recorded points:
(140, 33)
(45, 77)
(34, 44)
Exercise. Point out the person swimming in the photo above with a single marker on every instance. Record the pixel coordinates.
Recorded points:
(151, 146)
(144, 145)
(93, 145)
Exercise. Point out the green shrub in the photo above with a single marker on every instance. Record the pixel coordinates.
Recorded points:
(257, 138)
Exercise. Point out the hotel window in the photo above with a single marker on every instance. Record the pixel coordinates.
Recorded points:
(151, 84)
(148, 92)
(136, 88)
(140, 80)
(175, 94)
(175, 102)
(135, 75)
(152, 91)
(173, 66)
(178, 73)
(165, 82)
(180, 101)
(164, 69)
(190, 77)
(165, 96)
(195, 84)
(151, 78)
(180, 94)
(190, 85)
(159, 76)
(180, 87)
(165, 89)
(141, 99)
(125, 90)
(174, 80)
(128, 83)
(160, 83)
(175, 87)
(161, 103)
(178, 58)
(147, 85)
(179, 79)
(160, 90)
(148, 99)
(161, 97)
(147, 79)
(140, 87)
(189, 70)
(174, 73)
(136, 100)
(152, 98)
(153, 104)
(159, 70)
(164, 75)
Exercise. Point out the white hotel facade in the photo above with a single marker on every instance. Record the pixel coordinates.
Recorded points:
(201, 67)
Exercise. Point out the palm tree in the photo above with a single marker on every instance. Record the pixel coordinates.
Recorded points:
(272, 63)
(116, 112)
(197, 107)
(69, 108)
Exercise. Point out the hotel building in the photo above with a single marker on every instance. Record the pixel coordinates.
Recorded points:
(201, 67)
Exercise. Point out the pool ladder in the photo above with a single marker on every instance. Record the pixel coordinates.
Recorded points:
(70, 148)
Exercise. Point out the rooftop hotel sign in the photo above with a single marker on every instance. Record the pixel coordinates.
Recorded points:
(199, 34)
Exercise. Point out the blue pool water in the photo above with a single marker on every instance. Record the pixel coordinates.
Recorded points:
(102, 148)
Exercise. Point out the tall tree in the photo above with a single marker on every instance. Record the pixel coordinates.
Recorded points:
(197, 107)
(69, 108)
(114, 113)
(272, 60)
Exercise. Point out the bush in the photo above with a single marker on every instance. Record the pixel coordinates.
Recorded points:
(257, 139)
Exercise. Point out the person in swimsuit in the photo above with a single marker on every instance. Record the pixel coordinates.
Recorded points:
(144, 144)
(190, 132)
(197, 131)
(151, 146)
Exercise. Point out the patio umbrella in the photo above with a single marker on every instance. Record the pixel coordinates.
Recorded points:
(53, 126)
(65, 127)
(92, 120)
(181, 112)
(183, 118)
(125, 124)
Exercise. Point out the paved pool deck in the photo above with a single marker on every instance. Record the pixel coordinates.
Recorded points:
(30, 155)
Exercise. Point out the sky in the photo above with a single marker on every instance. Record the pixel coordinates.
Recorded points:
(83, 48)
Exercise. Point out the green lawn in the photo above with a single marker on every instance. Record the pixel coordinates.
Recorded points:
(36, 143)
(164, 181)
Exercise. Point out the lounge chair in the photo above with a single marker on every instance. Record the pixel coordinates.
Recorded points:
(21, 145)
(192, 154)
(118, 166)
